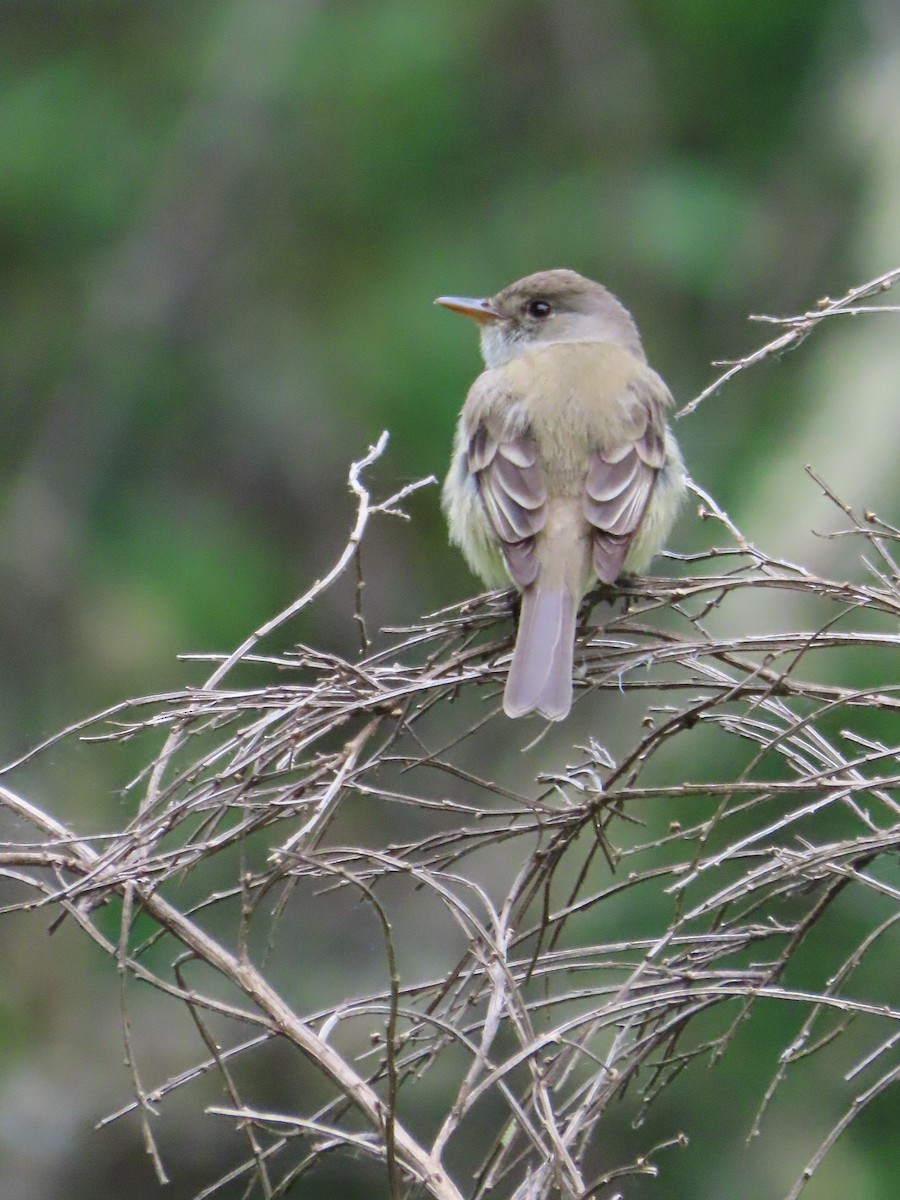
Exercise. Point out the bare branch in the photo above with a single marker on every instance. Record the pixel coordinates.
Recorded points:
(746, 790)
(798, 328)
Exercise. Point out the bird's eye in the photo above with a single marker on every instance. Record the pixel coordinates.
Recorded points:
(539, 309)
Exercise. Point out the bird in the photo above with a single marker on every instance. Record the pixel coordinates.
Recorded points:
(564, 471)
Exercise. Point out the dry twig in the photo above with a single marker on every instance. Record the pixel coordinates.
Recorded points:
(294, 782)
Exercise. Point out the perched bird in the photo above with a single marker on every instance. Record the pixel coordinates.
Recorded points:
(564, 470)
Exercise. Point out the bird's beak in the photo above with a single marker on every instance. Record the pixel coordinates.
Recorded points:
(479, 310)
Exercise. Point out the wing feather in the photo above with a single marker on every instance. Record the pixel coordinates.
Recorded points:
(512, 490)
(620, 482)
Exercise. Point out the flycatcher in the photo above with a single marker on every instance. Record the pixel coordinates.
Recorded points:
(564, 470)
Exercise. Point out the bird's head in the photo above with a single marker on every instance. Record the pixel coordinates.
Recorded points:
(550, 306)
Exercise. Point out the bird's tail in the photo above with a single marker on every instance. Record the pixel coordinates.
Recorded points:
(540, 674)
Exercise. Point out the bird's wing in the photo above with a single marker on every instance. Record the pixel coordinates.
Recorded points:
(513, 492)
(621, 477)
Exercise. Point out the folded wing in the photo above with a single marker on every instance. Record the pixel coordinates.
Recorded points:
(512, 489)
(620, 481)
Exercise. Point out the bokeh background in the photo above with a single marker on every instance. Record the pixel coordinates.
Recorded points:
(222, 225)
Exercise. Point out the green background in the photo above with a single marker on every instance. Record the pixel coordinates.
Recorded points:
(222, 226)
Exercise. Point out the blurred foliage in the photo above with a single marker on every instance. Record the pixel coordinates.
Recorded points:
(222, 224)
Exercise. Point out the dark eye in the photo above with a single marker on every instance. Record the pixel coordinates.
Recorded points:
(539, 309)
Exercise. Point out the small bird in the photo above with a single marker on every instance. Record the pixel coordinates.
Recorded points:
(564, 470)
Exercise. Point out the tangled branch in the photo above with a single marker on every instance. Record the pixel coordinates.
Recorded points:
(295, 782)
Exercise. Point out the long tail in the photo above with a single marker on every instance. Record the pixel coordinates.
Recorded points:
(540, 674)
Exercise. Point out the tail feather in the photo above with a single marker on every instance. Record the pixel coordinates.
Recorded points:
(540, 674)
